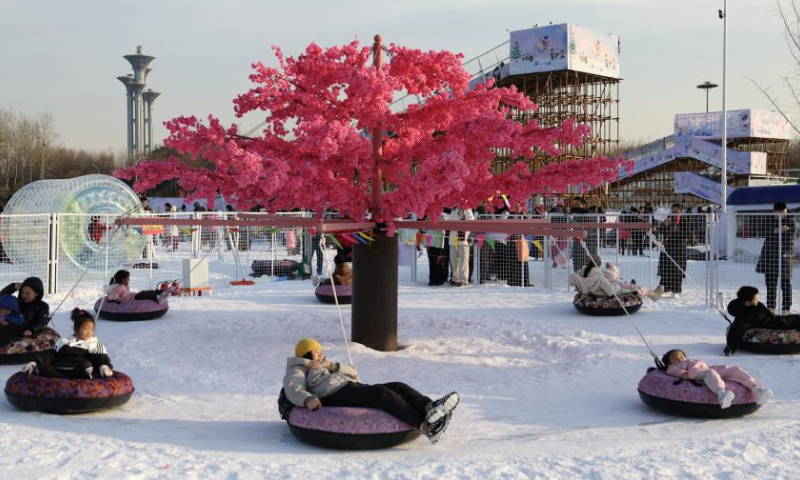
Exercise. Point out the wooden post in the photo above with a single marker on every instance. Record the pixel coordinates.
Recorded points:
(374, 311)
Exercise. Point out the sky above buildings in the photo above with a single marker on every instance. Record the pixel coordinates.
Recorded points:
(63, 57)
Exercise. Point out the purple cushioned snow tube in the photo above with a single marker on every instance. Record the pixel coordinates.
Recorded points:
(344, 293)
(131, 310)
(350, 428)
(682, 397)
(21, 350)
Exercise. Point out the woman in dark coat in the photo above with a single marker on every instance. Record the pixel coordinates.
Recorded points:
(776, 256)
(31, 306)
(675, 233)
(578, 214)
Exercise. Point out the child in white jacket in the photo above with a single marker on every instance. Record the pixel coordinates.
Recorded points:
(78, 357)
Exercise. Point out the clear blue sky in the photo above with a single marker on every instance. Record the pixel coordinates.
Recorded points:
(63, 57)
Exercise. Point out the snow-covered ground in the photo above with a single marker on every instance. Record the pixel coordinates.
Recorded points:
(546, 393)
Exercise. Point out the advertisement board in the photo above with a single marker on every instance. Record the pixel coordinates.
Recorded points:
(741, 124)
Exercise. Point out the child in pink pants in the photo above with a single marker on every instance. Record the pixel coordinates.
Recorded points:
(714, 377)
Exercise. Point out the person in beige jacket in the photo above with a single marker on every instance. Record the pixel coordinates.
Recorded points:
(311, 380)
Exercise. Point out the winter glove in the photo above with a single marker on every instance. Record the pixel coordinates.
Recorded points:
(29, 368)
(105, 371)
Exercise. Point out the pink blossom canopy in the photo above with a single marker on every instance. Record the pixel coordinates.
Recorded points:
(314, 151)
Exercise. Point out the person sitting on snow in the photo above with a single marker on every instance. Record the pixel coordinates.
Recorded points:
(311, 380)
(714, 377)
(11, 321)
(594, 282)
(749, 313)
(35, 310)
(342, 274)
(80, 357)
(118, 290)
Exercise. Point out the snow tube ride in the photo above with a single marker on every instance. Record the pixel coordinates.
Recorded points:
(278, 268)
(130, 310)
(689, 399)
(344, 293)
(345, 428)
(68, 396)
(608, 305)
(771, 341)
(21, 350)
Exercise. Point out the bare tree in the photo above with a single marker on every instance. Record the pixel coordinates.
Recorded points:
(790, 16)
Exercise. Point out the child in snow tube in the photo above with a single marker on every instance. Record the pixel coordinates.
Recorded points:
(10, 318)
(714, 377)
(75, 377)
(118, 290)
(120, 305)
(80, 357)
(701, 391)
(342, 274)
(36, 313)
(757, 329)
(311, 380)
(598, 290)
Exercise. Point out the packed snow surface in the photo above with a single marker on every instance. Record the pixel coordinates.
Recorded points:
(547, 393)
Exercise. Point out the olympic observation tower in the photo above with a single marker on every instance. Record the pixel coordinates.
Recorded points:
(140, 105)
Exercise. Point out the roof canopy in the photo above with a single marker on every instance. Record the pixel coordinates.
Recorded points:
(765, 195)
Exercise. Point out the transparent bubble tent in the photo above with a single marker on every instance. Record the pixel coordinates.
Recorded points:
(87, 207)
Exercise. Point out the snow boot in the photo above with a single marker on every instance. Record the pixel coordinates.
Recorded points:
(655, 294)
(436, 429)
(725, 398)
(762, 394)
(442, 407)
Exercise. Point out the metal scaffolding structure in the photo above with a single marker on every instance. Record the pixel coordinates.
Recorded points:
(657, 185)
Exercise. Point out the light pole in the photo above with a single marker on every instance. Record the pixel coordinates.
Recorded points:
(723, 14)
(707, 86)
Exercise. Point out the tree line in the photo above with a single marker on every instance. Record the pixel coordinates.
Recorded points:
(30, 150)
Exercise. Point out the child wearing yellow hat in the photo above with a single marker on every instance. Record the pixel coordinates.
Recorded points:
(312, 379)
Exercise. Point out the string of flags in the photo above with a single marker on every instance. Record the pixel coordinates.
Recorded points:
(420, 239)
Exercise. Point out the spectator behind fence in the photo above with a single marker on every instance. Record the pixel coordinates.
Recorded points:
(775, 261)
(672, 259)
(459, 249)
(579, 214)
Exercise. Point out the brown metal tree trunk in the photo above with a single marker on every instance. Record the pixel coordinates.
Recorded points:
(374, 311)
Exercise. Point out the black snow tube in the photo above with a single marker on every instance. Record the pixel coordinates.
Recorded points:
(688, 399)
(771, 341)
(68, 396)
(607, 306)
(344, 294)
(21, 350)
(131, 310)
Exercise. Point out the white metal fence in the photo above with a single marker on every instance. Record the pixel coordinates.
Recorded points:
(719, 254)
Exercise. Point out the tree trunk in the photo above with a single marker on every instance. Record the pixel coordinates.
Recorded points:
(374, 317)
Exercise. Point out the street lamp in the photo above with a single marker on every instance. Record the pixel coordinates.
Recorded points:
(723, 14)
(707, 86)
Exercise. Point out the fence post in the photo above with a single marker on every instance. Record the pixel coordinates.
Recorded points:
(197, 232)
(52, 260)
(414, 261)
(710, 261)
(548, 262)
(477, 263)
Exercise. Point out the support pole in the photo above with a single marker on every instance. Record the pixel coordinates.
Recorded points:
(374, 311)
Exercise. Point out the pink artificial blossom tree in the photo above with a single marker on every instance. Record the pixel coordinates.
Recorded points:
(314, 152)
